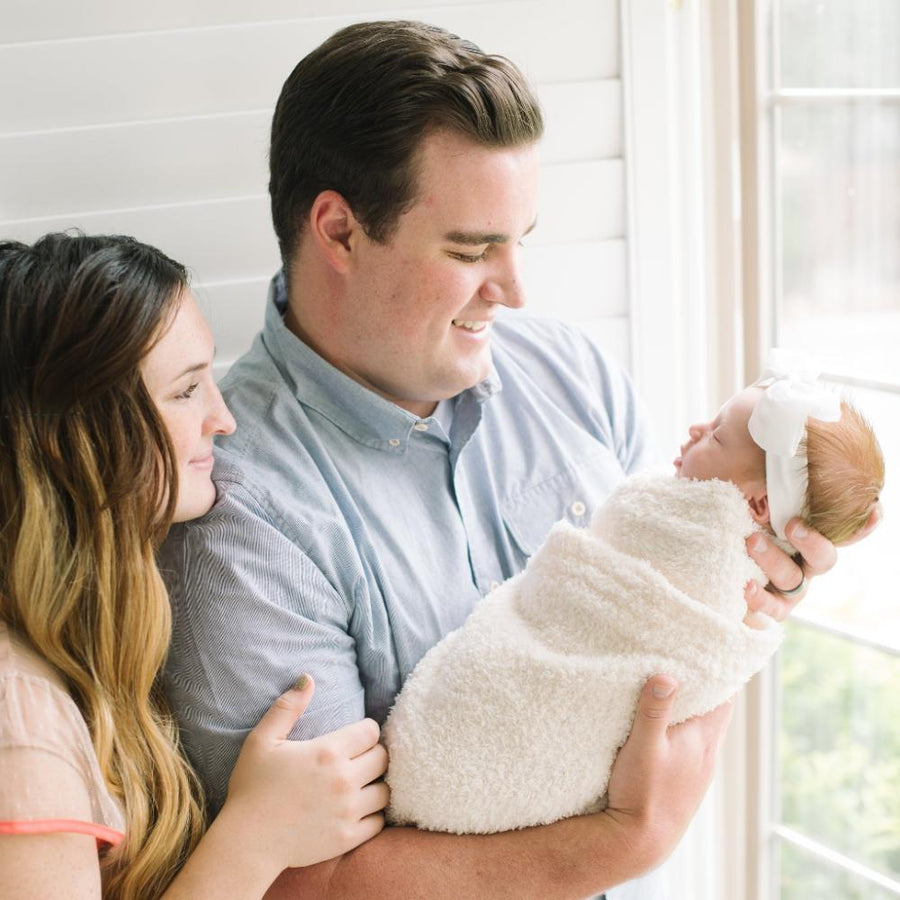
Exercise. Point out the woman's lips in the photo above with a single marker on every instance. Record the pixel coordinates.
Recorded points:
(202, 462)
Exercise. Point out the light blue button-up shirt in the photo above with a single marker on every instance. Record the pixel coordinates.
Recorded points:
(349, 536)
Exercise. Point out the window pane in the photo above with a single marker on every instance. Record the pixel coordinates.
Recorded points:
(839, 748)
(803, 877)
(839, 172)
(839, 43)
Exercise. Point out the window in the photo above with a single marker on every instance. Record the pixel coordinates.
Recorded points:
(826, 254)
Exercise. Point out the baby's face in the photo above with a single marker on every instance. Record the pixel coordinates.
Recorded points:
(723, 447)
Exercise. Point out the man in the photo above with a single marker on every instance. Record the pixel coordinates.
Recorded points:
(400, 450)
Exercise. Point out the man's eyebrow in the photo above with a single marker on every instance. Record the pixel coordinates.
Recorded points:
(475, 238)
(478, 238)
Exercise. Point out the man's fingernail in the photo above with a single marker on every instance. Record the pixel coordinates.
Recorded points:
(301, 682)
(661, 691)
(759, 544)
(800, 532)
(752, 588)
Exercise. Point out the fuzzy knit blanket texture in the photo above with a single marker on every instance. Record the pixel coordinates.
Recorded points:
(515, 718)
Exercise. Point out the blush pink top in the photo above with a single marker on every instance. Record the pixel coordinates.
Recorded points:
(51, 779)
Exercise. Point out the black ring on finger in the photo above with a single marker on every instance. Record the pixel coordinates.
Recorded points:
(794, 591)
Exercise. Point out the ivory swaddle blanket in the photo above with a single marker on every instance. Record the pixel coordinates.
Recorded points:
(515, 719)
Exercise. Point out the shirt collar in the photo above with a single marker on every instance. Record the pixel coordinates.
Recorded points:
(360, 413)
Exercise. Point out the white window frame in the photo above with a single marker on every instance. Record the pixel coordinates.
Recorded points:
(753, 762)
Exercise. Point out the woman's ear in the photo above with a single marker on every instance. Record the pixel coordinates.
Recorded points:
(759, 507)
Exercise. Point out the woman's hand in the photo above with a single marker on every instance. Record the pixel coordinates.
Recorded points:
(789, 579)
(302, 802)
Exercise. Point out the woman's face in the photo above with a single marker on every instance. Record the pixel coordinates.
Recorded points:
(178, 376)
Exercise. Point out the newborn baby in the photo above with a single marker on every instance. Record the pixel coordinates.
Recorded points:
(515, 719)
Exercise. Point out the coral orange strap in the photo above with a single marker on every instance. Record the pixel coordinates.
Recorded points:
(103, 834)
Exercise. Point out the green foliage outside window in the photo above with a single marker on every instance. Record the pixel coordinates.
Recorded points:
(839, 755)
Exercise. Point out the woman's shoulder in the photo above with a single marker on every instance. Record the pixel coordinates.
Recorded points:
(37, 711)
(17, 658)
(45, 740)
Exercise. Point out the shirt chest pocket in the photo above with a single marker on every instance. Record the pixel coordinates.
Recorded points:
(573, 493)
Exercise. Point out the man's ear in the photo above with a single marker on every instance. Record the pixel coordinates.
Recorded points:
(759, 507)
(333, 228)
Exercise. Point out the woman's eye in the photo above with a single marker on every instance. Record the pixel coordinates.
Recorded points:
(188, 391)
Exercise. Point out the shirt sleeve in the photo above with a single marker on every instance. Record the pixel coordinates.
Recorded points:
(251, 613)
(51, 779)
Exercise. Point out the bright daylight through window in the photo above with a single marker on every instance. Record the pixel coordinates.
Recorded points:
(833, 121)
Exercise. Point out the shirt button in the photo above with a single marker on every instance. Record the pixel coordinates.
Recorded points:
(578, 508)
(495, 585)
(394, 442)
(420, 426)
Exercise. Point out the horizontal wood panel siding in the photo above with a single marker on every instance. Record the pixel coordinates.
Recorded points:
(43, 175)
(205, 70)
(153, 120)
(25, 20)
(577, 281)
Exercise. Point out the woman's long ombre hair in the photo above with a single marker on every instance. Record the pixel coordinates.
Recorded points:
(87, 492)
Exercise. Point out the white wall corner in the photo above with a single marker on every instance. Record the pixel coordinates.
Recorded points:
(666, 184)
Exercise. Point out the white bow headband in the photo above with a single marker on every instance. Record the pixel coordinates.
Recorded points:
(778, 424)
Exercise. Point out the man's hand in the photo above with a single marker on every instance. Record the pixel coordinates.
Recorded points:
(789, 577)
(662, 772)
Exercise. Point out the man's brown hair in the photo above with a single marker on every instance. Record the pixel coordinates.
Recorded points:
(353, 113)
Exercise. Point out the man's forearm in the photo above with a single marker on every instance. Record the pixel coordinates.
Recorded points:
(568, 860)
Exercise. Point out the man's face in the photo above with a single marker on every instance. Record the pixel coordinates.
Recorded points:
(417, 327)
(723, 447)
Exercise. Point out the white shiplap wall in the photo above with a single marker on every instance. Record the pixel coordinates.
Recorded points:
(152, 120)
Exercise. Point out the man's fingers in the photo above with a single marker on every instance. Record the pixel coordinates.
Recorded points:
(284, 712)
(717, 720)
(783, 573)
(654, 706)
(819, 554)
(770, 602)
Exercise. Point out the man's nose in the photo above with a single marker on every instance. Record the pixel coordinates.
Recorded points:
(505, 286)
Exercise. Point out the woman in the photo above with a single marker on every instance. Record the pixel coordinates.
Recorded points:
(108, 410)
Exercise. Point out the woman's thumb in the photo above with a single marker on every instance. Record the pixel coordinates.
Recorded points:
(284, 712)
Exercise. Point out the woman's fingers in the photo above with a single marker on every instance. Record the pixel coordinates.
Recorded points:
(371, 765)
(355, 739)
(275, 725)
(373, 797)
(369, 827)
